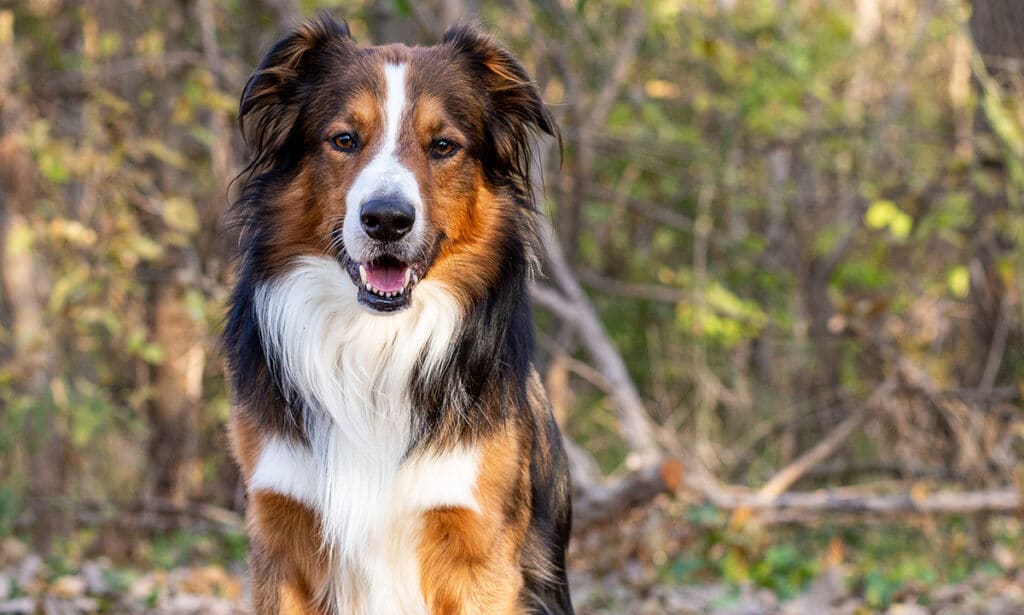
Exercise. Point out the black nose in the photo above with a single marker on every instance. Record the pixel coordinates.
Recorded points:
(387, 218)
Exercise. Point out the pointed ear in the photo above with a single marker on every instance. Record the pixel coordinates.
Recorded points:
(515, 108)
(271, 100)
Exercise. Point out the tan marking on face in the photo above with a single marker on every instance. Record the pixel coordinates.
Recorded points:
(469, 561)
(447, 186)
(474, 224)
(364, 108)
(312, 206)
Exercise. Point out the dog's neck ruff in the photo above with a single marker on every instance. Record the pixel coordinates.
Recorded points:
(352, 370)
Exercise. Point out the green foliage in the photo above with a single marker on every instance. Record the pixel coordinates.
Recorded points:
(737, 556)
(182, 548)
(9, 508)
(784, 569)
(879, 562)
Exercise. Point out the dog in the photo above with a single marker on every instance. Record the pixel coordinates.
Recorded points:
(398, 451)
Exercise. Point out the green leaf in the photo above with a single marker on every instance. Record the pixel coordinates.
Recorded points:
(195, 305)
(53, 168)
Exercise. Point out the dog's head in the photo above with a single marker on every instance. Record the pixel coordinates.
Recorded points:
(401, 162)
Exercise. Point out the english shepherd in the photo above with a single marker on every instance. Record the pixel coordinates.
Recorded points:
(397, 448)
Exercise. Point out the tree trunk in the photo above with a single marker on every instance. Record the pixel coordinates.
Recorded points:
(996, 27)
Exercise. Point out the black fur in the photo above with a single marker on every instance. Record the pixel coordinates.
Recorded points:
(551, 506)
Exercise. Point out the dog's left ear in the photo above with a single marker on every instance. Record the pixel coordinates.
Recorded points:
(515, 106)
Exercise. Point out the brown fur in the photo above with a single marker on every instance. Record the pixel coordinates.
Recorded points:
(286, 557)
(469, 562)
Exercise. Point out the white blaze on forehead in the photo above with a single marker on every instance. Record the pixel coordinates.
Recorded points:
(385, 175)
(394, 79)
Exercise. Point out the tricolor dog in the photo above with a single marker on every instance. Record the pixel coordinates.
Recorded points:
(397, 448)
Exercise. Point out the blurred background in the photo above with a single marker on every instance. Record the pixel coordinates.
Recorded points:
(780, 321)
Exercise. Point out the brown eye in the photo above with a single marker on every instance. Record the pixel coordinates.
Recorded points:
(443, 148)
(343, 142)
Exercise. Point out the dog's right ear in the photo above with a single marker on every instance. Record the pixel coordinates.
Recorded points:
(271, 100)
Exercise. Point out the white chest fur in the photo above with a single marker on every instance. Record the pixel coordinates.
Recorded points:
(352, 368)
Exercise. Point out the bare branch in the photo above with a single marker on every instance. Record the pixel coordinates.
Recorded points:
(997, 349)
(625, 55)
(633, 290)
(785, 478)
(575, 308)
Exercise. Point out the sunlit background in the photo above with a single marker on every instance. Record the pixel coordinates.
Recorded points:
(781, 325)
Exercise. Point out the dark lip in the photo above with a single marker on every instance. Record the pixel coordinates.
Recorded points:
(387, 304)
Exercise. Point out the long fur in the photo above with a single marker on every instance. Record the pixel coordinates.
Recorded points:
(368, 418)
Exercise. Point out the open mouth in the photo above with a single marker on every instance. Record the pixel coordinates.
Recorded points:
(385, 283)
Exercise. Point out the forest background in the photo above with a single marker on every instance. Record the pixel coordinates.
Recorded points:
(780, 320)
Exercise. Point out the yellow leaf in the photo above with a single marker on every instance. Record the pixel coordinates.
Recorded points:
(880, 214)
(885, 214)
(73, 232)
(180, 214)
(144, 248)
(959, 281)
(661, 89)
(163, 153)
(19, 238)
(65, 287)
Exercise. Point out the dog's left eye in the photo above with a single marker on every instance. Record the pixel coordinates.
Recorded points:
(443, 148)
(344, 142)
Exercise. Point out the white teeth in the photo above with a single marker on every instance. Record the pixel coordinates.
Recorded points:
(410, 278)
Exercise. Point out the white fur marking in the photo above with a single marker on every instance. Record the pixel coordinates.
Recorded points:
(385, 175)
(285, 468)
(353, 368)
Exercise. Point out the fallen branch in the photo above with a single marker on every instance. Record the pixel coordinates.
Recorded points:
(599, 504)
(1004, 501)
(154, 514)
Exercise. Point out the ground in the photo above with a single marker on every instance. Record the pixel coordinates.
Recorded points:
(32, 586)
(667, 559)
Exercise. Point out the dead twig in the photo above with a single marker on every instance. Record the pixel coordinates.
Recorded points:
(785, 478)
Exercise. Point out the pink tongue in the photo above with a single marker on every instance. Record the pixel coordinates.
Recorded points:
(386, 278)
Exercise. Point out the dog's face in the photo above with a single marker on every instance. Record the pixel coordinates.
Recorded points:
(402, 163)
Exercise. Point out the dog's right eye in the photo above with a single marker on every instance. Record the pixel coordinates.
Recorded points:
(344, 142)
